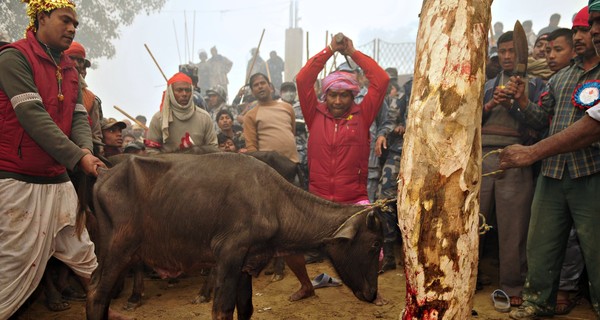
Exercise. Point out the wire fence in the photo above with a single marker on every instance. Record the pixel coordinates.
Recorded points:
(398, 55)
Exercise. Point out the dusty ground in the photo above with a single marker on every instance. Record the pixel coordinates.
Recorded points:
(270, 301)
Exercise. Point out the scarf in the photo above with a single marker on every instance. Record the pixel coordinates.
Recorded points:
(170, 109)
(341, 81)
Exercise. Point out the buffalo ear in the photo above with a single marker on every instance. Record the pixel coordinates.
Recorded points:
(346, 232)
(372, 221)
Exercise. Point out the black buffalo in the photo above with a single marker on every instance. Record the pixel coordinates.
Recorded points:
(182, 212)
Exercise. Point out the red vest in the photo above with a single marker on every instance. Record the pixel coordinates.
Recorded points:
(18, 152)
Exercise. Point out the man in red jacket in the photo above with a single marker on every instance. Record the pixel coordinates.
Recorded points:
(339, 140)
(338, 145)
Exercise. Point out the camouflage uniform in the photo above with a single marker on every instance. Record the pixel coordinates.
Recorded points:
(380, 127)
(301, 141)
(388, 185)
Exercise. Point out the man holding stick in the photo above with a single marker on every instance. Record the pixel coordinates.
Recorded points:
(338, 144)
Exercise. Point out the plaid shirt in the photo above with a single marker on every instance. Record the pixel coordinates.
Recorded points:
(557, 111)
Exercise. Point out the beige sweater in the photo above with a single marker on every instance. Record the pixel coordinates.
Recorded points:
(271, 127)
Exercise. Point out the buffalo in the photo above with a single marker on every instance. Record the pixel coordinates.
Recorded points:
(179, 212)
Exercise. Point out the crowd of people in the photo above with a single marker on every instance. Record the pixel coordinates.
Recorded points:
(345, 132)
(545, 210)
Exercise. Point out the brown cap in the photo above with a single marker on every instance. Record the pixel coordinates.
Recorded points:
(110, 122)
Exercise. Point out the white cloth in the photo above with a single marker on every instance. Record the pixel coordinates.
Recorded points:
(36, 222)
(594, 112)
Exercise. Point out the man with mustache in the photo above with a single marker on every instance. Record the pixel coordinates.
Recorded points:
(566, 190)
(508, 194)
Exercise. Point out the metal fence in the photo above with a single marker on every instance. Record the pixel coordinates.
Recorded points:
(387, 54)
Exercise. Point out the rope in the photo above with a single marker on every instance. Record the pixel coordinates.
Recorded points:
(493, 172)
(381, 204)
(484, 227)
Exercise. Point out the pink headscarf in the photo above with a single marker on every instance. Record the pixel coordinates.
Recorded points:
(341, 81)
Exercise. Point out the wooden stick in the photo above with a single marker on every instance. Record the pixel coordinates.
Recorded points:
(326, 43)
(255, 56)
(307, 54)
(268, 71)
(492, 40)
(131, 118)
(152, 56)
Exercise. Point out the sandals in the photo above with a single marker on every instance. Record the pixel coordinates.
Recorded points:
(324, 280)
(501, 301)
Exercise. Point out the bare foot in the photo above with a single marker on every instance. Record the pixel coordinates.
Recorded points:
(303, 293)
(380, 301)
(113, 315)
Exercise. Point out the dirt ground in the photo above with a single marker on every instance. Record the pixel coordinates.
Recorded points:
(271, 300)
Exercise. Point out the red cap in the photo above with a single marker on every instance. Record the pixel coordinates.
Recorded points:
(179, 77)
(76, 49)
(581, 18)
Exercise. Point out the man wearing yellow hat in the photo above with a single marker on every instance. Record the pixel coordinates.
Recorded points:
(45, 131)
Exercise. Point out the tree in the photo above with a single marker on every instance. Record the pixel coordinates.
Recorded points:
(99, 21)
(438, 189)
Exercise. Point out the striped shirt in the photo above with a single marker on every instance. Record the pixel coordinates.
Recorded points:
(556, 105)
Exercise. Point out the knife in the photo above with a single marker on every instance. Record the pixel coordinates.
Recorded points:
(521, 50)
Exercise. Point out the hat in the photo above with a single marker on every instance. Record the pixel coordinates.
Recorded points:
(179, 77)
(110, 122)
(76, 49)
(594, 5)
(543, 36)
(217, 90)
(133, 146)
(288, 85)
(189, 70)
(36, 6)
(392, 72)
(581, 18)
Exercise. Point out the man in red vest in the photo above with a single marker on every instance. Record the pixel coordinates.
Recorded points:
(44, 131)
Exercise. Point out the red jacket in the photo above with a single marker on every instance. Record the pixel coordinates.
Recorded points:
(338, 149)
(18, 152)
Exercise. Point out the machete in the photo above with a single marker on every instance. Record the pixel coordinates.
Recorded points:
(521, 50)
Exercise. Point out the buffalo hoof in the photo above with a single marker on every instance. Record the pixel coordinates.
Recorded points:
(201, 299)
(130, 306)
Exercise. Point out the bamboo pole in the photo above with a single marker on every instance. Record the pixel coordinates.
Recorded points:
(156, 63)
(268, 71)
(326, 43)
(307, 53)
(255, 56)
(176, 41)
(131, 118)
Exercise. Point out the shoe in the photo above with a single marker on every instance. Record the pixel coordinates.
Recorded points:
(565, 302)
(516, 301)
(523, 312)
(324, 280)
(501, 301)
